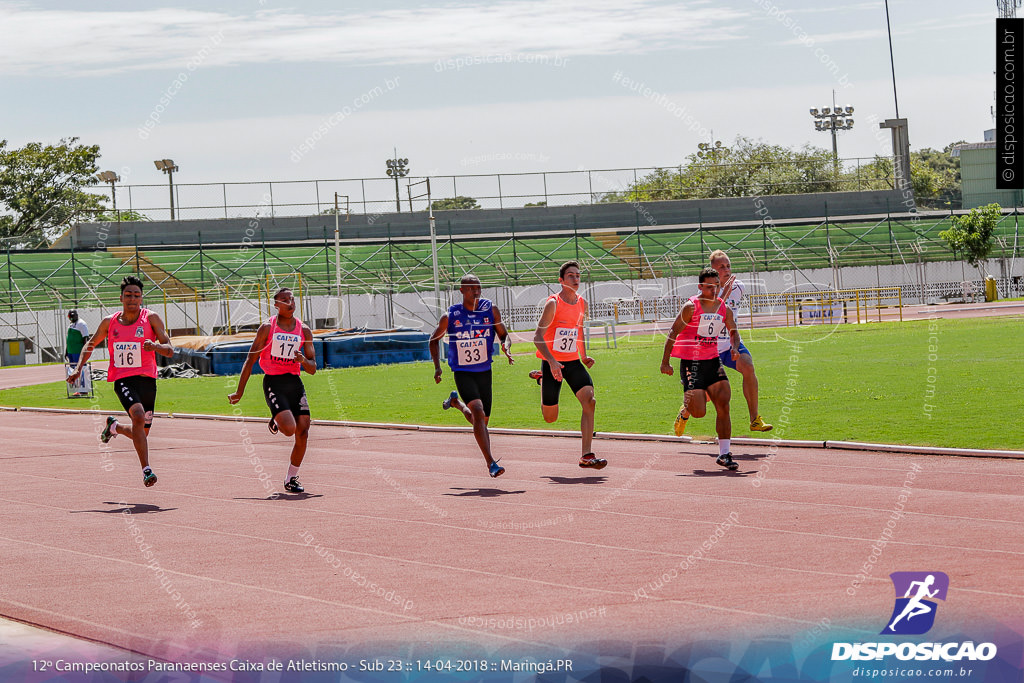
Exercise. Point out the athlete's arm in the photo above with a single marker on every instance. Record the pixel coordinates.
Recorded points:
(164, 348)
(546, 318)
(503, 338)
(307, 357)
(97, 339)
(681, 321)
(587, 360)
(258, 343)
(734, 334)
(435, 346)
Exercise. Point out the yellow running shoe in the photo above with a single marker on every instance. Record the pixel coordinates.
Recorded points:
(759, 425)
(680, 425)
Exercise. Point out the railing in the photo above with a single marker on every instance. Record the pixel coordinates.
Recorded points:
(498, 190)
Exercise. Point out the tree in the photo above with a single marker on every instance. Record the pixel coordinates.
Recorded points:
(123, 216)
(749, 168)
(454, 204)
(41, 189)
(972, 234)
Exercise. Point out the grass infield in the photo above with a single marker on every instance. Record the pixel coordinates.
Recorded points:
(950, 383)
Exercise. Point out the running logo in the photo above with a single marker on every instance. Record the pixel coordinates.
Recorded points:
(914, 613)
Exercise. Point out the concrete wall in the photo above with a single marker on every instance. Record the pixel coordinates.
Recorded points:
(585, 217)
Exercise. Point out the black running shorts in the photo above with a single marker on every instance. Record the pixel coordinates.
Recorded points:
(701, 374)
(574, 373)
(285, 392)
(474, 386)
(137, 389)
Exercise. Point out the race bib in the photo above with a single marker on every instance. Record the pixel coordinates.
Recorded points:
(472, 351)
(565, 339)
(127, 354)
(283, 346)
(711, 325)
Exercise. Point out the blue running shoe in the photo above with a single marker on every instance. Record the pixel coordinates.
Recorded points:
(148, 478)
(447, 403)
(495, 469)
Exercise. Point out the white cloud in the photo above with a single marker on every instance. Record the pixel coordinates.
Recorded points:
(60, 42)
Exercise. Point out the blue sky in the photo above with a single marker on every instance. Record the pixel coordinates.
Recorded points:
(277, 90)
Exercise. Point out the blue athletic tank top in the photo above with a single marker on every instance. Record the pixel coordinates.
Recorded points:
(471, 337)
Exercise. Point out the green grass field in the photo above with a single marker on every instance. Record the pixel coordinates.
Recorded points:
(861, 383)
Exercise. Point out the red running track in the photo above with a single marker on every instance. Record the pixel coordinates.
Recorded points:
(206, 561)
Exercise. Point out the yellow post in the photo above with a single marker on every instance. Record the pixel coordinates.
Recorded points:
(856, 293)
(641, 310)
(899, 292)
(616, 311)
(227, 298)
(198, 332)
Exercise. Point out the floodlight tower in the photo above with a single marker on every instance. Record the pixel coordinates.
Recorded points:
(111, 177)
(833, 119)
(397, 168)
(168, 167)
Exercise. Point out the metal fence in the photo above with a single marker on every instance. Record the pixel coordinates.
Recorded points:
(43, 280)
(490, 191)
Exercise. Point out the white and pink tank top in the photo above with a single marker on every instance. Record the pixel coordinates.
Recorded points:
(277, 357)
(699, 339)
(124, 347)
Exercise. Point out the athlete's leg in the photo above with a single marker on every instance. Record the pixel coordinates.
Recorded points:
(478, 419)
(301, 432)
(137, 432)
(696, 402)
(589, 404)
(745, 366)
(720, 395)
(286, 423)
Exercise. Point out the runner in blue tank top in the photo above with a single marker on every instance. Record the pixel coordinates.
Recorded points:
(471, 326)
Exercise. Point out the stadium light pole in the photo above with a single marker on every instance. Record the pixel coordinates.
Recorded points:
(168, 167)
(111, 177)
(833, 119)
(397, 168)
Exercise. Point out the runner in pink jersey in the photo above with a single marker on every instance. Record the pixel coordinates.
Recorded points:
(694, 340)
(134, 337)
(284, 347)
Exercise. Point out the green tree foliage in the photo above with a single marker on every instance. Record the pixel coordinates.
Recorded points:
(748, 168)
(122, 215)
(455, 204)
(41, 189)
(934, 177)
(972, 235)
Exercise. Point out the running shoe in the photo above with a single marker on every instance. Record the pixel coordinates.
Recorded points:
(591, 460)
(759, 425)
(148, 478)
(293, 486)
(272, 426)
(536, 374)
(109, 430)
(447, 403)
(680, 424)
(727, 462)
(495, 469)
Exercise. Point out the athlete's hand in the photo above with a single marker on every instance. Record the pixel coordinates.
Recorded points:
(299, 357)
(73, 377)
(725, 289)
(735, 354)
(507, 350)
(437, 375)
(148, 345)
(666, 369)
(235, 397)
(588, 361)
(556, 371)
